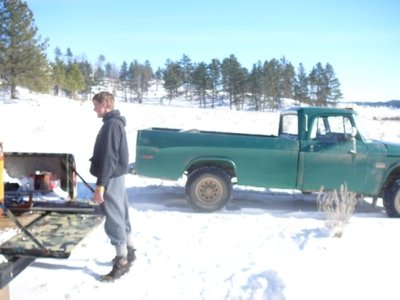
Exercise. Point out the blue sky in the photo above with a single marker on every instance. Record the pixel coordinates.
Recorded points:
(360, 39)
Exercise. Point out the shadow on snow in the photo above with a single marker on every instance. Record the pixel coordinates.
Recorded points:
(162, 197)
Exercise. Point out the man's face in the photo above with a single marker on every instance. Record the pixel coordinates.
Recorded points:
(100, 108)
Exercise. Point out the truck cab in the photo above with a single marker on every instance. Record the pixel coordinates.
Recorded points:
(333, 151)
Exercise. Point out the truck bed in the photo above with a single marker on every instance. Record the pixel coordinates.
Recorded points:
(168, 153)
(196, 131)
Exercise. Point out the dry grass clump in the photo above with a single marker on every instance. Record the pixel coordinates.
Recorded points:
(338, 208)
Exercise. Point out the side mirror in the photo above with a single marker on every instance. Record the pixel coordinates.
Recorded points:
(353, 138)
(353, 132)
(305, 123)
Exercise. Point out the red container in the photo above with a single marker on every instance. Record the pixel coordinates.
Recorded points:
(42, 181)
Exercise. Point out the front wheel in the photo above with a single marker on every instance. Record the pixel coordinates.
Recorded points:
(391, 199)
(208, 189)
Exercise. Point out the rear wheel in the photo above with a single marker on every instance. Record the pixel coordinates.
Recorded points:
(208, 189)
(391, 198)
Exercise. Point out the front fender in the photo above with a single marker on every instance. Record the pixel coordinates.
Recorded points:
(392, 172)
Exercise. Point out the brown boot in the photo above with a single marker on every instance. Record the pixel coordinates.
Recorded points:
(120, 267)
(131, 255)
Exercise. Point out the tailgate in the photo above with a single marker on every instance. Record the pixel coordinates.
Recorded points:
(59, 233)
(44, 184)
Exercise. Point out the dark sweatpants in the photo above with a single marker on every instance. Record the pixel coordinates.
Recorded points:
(115, 206)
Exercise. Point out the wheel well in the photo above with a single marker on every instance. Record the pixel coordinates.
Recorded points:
(227, 167)
(392, 176)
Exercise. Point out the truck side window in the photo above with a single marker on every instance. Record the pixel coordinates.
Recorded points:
(290, 126)
(319, 130)
(331, 129)
(340, 127)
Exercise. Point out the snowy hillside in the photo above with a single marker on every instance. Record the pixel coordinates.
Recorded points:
(266, 244)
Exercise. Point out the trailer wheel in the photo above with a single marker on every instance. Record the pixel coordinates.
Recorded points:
(208, 189)
(391, 198)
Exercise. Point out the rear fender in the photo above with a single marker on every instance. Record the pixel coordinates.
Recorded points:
(221, 162)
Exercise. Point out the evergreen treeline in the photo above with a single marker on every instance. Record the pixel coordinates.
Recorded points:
(23, 62)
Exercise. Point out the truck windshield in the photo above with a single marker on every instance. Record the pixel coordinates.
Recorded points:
(362, 123)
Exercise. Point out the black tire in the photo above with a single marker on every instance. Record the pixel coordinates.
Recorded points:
(391, 198)
(208, 189)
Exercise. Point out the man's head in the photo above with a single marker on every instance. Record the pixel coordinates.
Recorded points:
(103, 103)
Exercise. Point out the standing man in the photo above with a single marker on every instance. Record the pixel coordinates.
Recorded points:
(109, 164)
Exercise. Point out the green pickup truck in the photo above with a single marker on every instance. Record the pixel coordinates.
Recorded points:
(315, 148)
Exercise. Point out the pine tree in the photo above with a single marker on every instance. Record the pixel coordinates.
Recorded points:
(86, 69)
(123, 79)
(301, 91)
(318, 86)
(22, 58)
(134, 77)
(187, 68)
(74, 80)
(158, 74)
(272, 73)
(201, 81)
(173, 78)
(58, 76)
(99, 73)
(234, 78)
(333, 84)
(324, 86)
(147, 76)
(287, 78)
(139, 77)
(256, 85)
(215, 77)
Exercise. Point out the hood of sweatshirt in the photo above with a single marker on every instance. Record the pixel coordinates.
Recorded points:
(114, 114)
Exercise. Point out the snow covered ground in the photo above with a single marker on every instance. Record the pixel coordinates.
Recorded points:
(266, 244)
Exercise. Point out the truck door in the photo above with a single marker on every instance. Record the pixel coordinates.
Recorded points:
(327, 156)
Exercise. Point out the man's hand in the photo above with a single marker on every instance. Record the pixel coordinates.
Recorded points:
(98, 195)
